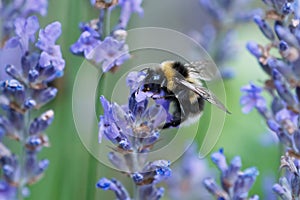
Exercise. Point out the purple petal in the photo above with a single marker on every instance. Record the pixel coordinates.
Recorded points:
(39, 6)
(49, 35)
(220, 160)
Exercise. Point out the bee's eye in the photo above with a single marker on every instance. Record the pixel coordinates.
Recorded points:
(146, 88)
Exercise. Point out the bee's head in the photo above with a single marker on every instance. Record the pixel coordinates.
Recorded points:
(152, 82)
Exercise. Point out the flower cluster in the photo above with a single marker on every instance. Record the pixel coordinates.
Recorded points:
(134, 129)
(106, 48)
(11, 10)
(289, 186)
(23, 92)
(217, 36)
(279, 59)
(187, 177)
(235, 184)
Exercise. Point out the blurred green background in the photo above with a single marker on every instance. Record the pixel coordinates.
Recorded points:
(73, 172)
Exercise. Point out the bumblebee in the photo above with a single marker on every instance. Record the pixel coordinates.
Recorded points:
(178, 88)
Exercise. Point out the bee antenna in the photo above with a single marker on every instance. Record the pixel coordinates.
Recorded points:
(145, 70)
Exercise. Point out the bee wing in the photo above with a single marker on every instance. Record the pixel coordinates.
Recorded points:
(203, 70)
(203, 92)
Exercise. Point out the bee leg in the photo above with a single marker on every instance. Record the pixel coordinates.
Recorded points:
(161, 97)
(173, 123)
(176, 115)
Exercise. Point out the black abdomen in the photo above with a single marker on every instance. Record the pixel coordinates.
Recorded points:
(180, 68)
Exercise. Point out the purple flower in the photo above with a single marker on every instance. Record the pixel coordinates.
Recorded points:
(12, 10)
(110, 53)
(8, 57)
(264, 27)
(186, 179)
(7, 191)
(134, 128)
(218, 35)
(25, 30)
(38, 6)
(26, 88)
(235, 183)
(252, 98)
(155, 172)
(129, 7)
(49, 35)
(255, 49)
(213, 8)
(106, 47)
(115, 186)
(86, 43)
(289, 186)
(51, 53)
(120, 124)
(285, 116)
(134, 80)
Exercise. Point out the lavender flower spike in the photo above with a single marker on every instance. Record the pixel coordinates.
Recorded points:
(129, 7)
(134, 129)
(289, 186)
(217, 33)
(235, 184)
(186, 180)
(27, 90)
(280, 59)
(106, 49)
(10, 11)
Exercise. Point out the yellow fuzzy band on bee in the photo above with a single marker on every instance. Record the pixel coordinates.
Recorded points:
(169, 72)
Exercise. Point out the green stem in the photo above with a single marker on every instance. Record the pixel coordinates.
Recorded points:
(107, 22)
(100, 23)
(22, 156)
(135, 166)
(92, 164)
(136, 192)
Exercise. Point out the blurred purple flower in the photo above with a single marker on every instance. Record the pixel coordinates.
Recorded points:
(85, 44)
(35, 6)
(7, 191)
(25, 30)
(264, 27)
(187, 176)
(51, 53)
(235, 184)
(217, 35)
(12, 10)
(252, 98)
(110, 53)
(255, 49)
(286, 115)
(128, 8)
